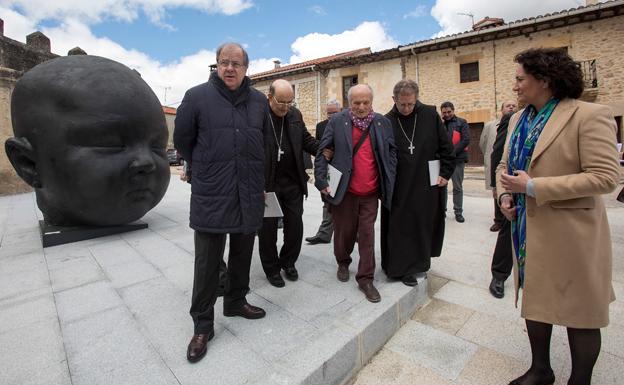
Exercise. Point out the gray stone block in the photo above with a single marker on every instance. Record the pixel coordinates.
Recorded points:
(74, 273)
(107, 348)
(228, 361)
(331, 357)
(444, 354)
(83, 301)
(24, 310)
(161, 311)
(126, 274)
(301, 299)
(22, 363)
(114, 252)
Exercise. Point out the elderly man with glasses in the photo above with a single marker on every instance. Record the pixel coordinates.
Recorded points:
(285, 175)
(219, 130)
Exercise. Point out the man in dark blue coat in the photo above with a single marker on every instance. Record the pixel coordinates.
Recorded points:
(365, 154)
(219, 130)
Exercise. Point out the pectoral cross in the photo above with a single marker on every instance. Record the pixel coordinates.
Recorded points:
(280, 152)
(411, 148)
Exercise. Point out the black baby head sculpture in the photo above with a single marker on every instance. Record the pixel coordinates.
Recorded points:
(90, 137)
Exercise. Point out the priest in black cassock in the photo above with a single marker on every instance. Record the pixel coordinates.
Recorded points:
(412, 231)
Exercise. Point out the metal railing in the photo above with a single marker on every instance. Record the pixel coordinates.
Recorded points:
(589, 73)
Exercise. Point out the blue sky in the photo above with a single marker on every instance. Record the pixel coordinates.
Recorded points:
(172, 42)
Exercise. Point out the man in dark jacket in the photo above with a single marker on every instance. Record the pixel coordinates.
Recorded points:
(285, 175)
(459, 134)
(365, 154)
(219, 130)
(326, 229)
(502, 258)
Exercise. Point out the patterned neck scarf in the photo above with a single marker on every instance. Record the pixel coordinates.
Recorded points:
(521, 146)
(361, 123)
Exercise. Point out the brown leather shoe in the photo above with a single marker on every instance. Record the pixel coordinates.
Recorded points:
(197, 347)
(370, 292)
(246, 311)
(343, 273)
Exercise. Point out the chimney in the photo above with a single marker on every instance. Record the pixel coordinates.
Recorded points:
(38, 41)
(277, 63)
(1, 27)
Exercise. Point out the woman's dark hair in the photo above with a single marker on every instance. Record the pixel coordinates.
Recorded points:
(554, 65)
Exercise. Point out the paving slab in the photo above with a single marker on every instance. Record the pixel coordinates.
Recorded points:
(462, 308)
(114, 310)
(443, 353)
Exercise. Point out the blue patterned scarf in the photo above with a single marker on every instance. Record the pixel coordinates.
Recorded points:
(521, 146)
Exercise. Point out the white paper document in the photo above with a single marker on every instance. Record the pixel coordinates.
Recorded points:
(434, 171)
(333, 178)
(272, 207)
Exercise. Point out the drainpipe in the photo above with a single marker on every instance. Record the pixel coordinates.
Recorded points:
(417, 65)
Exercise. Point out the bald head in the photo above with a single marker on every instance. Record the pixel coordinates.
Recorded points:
(360, 100)
(281, 97)
(509, 107)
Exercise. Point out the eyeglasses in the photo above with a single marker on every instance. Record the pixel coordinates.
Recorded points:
(227, 63)
(292, 103)
(406, 105)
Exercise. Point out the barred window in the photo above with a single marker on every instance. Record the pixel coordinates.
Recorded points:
(469, 72)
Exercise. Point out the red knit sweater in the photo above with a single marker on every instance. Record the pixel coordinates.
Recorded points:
(365, 177)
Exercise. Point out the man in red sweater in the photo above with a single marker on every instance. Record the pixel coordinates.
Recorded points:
(365, 154)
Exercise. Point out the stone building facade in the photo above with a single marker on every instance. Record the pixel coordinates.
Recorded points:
(310, 94)
(15, 59)
(475, 69)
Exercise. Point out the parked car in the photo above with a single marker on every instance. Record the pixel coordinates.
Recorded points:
(173, 157)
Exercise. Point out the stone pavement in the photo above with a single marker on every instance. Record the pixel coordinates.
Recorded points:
(114, 310)
(465, 336)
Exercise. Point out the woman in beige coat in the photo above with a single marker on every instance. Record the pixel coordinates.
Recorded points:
(559, 158)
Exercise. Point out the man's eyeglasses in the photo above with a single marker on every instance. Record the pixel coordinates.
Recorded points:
(284, 104)
(227, 63)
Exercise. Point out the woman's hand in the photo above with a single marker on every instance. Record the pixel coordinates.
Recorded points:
(442, 182)
(508, 208)
(515, 183)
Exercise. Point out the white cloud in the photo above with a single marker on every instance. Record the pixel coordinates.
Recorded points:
(176, 77)
(124, 10)
(260, 65)
(317, 9)
(16, 25)
(314, 45)
(420, 10)
(446, 12)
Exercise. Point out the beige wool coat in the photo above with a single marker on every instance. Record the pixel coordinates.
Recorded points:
(568, 253)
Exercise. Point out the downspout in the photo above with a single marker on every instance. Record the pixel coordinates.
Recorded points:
(318, 93)
(417, 66)
(495, 89)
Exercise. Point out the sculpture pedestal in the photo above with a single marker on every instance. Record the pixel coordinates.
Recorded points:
(58, 235)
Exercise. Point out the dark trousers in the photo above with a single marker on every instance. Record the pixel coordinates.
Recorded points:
(290, 199)
(457, 179)
(498, 214)
(354, 218)
(209, 250)
(326, 229)
(502, 259)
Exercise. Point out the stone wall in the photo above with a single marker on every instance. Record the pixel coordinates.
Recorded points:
(306, 97)
(15, 59)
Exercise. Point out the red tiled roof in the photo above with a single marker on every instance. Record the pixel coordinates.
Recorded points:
(309, 63)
